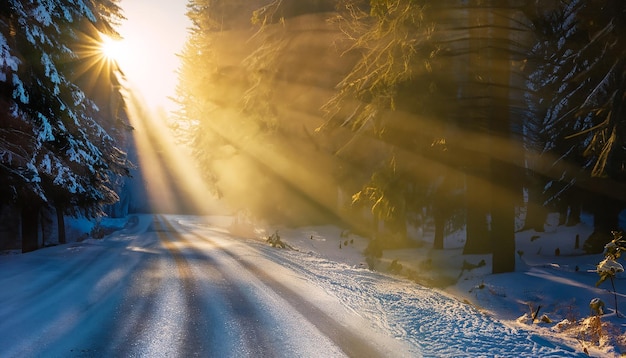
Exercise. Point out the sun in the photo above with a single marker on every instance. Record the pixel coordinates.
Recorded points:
(112, 49)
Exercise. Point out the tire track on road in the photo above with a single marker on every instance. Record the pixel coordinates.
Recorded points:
(259, 342)
(350, 343)
(193, 341)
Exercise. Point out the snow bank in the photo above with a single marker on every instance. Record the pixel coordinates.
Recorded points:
(554, 279)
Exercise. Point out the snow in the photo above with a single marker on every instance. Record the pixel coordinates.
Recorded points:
(19, 92)
(51, 72)
(610, 267)
(45, 132)
(42, 15)
(550, 273)
(6, 59)
(61, 297)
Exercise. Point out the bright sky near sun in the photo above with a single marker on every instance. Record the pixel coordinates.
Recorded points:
(154, 32)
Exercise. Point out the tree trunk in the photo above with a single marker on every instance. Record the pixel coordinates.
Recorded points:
(503, 149)
(605, 219)
(536, 212)
(397, 227)
(502, 218)
(30, 227)
(476, 185)
(440, 225)
(61, 224)
(477, 201)
(575, 210)
(574, 206)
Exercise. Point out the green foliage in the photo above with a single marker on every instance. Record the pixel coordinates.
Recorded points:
(578, 85)
(615, 248)
(395, 48)
(384, 193)
(609, 267)
(275, 241)
(61, 129)
(266, 14)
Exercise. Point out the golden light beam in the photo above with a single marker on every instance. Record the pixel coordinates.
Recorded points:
(173, 181)
(112, 49)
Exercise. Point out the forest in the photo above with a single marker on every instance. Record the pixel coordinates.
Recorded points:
(373, 115)
(62, 125)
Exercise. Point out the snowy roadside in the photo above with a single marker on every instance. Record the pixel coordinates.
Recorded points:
(554, 280)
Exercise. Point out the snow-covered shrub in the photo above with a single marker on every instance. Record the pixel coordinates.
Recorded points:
(609, 267)
(275, 241)
(563, 325)
(545, 319)
(590, 330)
(395, 267)
(597, 307)
(100, 230)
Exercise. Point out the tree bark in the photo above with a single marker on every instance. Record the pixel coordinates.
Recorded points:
(30, 227)
(536, 212)
(477, 202)
(503, 149)
(439, 217)
(605, 212)
(61, 224)
(477, 185)
(502, 218)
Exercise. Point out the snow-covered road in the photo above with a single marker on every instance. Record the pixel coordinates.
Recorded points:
(181, 287)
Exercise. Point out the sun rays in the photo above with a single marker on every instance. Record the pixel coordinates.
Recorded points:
(170, 178)
(112, 49)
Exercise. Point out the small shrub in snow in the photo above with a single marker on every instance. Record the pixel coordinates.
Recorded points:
(395, 267)
(97, 232)
(545, 319)
(563, 325)
(591, 330)
(100, 231)
(531, 318)
(597, 307)
(609, 267)
(275, 241)
(374, 249)
(525, 318)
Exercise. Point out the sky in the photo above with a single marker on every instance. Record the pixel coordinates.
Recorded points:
(153, 33)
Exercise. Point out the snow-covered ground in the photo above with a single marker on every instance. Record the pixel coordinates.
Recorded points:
(553, 280)
(63, 300)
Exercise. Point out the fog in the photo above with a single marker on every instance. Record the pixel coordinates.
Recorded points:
(287, 111)
(165, 179)
(261, 123)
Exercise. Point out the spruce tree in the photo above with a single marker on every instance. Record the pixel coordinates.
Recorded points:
(578, 82)
(68, 157)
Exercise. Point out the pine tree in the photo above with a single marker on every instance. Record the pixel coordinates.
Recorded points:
(239, 103)
(578, 83)
(68, 157)
(415, 61)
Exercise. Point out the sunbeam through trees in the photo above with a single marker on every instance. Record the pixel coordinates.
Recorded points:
(419, 110)
(245, 177)
(381, 116)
